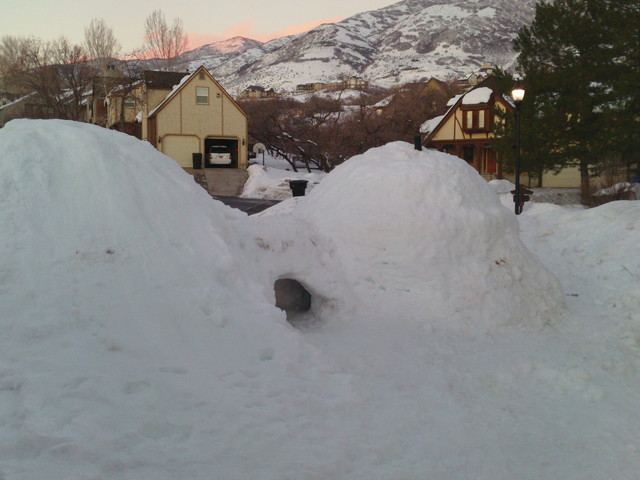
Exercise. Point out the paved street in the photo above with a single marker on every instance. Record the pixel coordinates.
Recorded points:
(247, 205)
(225, 184)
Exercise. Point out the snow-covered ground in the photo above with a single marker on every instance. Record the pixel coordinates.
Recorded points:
(446, 339)
(269, 178)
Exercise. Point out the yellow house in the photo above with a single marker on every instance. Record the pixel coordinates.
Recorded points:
(467, 127)
(197, 116)
(181, 114)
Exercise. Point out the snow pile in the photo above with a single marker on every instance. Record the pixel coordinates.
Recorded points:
(131, 320)
(139, 337)
(273, 183)
(502, 187)
(423, 231)
(596, 239)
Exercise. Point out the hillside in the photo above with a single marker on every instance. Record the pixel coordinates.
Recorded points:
(408, 41)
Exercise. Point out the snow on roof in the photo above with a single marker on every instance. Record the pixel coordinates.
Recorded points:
(452, 101)
(477, 96)
(170, 94)
(17, 100)
(431, 124)
(384, 102)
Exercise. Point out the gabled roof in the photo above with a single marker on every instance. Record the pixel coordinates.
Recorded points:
(162, 80)
(184, 80)
(17, 100)
(478, 95)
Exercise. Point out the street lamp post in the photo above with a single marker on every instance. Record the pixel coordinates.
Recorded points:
(518, 95)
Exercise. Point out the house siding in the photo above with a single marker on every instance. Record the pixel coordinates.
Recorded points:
(181, 116)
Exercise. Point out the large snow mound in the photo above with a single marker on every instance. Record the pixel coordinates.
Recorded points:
(139, 337)
(423, 228)
(127, 305)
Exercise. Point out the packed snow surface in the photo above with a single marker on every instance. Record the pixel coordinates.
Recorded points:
(139, 337)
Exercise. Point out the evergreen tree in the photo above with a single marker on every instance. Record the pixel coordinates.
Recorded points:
(580, 63)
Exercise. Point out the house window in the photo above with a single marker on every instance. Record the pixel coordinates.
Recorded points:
(481, 118)
(202, 96)
(476, 120)
(129, 102)
(468, 152)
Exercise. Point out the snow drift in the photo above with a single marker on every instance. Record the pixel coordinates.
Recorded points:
(127, 302)
(139, 337)
(423, 229)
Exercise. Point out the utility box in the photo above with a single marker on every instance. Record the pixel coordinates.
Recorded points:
(197, 161)
(525, 195)
(298, 187)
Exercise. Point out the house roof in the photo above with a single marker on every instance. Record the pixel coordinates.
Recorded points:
(481, 94)
(184, 80)
(477, 96)
(162, 80)
(431, 124)
(17, 100)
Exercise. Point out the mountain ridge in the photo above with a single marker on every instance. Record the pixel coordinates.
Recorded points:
(407, 41)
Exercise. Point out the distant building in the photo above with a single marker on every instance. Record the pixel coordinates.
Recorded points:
(311, 87)
(475, 78)
(433, 92)
(27, 106)
(356, 83)
(257, 92)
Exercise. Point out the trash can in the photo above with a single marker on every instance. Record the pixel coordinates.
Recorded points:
(197, 161)
(298, 187)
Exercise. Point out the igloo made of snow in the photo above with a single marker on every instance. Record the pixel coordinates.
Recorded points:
(421, 231)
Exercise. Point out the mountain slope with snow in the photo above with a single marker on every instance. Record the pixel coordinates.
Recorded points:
(407, 41)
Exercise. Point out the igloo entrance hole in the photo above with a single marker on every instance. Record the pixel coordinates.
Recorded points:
(293, 298)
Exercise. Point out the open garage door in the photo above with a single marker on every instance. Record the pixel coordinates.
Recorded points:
(181, 148)
(217, 150)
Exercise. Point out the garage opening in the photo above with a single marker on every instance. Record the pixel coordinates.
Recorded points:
(220, 153)
(293, 298)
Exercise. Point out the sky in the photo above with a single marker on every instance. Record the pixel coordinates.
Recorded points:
(205, 22)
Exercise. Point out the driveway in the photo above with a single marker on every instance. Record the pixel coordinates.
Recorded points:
(225, 184)
(247, 205)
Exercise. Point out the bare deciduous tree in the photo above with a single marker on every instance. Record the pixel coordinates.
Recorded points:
(100, 43)
(73, 74)
(56, 71)
(324, 131)
(164, 43)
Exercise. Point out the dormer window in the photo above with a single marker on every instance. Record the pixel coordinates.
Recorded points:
(476, 120)
(202, 96)
(129, 102)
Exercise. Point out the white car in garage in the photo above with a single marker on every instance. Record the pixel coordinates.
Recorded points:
(219, 155)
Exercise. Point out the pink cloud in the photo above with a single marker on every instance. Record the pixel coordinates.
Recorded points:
(249, 30)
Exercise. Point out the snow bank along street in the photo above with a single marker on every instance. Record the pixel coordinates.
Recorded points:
(444, 338)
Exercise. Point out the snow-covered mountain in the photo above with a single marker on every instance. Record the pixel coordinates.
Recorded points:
(407, 41)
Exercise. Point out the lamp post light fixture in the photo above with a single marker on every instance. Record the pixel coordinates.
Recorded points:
(518, 95)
